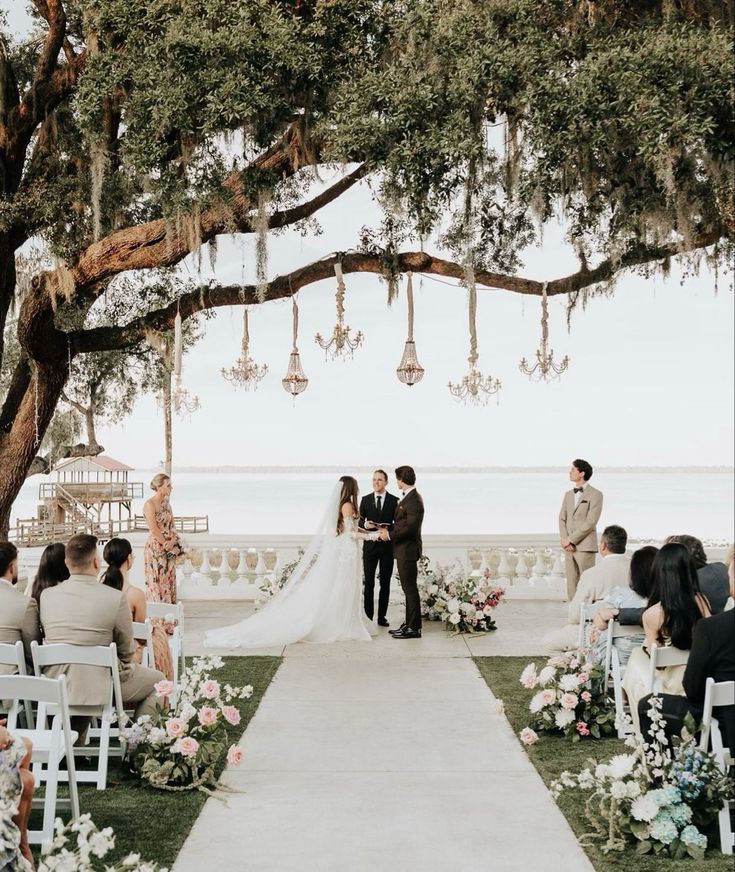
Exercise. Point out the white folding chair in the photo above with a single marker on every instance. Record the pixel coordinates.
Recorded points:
(174, 611)
(13, 654)
(143, 632)
(662, 657)
(585, 619)
(89, 655)
(50, 746)
(613, 670)
(718, 695)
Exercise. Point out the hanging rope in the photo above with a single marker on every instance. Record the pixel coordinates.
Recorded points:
(177, 343)
(340, 295)
(295, 323)
(473, 318)
(245, 333)
(544, 316)
(409, 294)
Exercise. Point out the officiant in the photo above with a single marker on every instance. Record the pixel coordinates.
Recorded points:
(378, 509)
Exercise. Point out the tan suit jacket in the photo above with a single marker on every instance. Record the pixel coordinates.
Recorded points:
(82, 611)
(595, 583)
(580, 525)
(18, 622)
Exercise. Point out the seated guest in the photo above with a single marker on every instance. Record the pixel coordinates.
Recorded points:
(81, 611)
(633, 595)
(712, 656)
(674, 608)
(594, 584)
(18, 613)
(712, 579)
(16, 784)
(118, 555)
(52, 570)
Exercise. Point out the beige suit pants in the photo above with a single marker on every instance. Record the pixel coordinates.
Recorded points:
(137, 689)
(576, 563)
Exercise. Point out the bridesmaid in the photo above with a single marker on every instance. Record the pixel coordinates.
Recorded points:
(163, 545)
(118, 555)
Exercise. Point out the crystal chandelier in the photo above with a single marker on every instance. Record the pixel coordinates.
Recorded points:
(245, 373)
(410, 371)
(474, 387)
(182, 402)
(545, 368)
(295, 381)
(340, 342)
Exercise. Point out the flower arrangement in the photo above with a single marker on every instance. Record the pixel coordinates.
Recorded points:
(179, 749)
(658, 798)
(464, 602)
(570, 698)
(80, 844)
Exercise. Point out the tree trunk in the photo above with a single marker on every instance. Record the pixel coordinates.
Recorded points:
(167, 430)
(18, 447)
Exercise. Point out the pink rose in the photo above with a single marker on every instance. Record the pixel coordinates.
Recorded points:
(528, 736)
(574, 663)
(175, 727)
(209, 689)
(583, 676)
(164, 688)
(187, 746)
(234, 755)
(582, 728)
(231, 714)
(586, 695)
(207, 716)
(548, 696)
(569, 701)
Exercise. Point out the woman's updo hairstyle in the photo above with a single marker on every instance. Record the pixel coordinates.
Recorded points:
(158, 480)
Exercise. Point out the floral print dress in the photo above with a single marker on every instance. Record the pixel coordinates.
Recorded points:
(11, 859)
(160, 560)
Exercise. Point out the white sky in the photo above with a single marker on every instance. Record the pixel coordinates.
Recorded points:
(650, 379)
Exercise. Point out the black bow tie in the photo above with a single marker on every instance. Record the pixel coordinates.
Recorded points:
(578, 490)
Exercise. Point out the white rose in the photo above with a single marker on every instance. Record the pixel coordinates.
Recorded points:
(634, 789)
(455, 618)
(618, 790)
(569, 682)
(453, 605)
(433, 588)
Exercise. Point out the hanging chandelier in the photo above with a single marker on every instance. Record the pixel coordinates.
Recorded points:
(245, 373)
(474, 388)
(182, 402)
(545, 368)
(340, 342)
(410, 371)
(295, 382)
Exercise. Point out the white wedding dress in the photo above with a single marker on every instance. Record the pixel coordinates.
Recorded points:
(321, 600)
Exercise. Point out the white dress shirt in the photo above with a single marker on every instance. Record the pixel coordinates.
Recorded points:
(578, 496)
(407, 492)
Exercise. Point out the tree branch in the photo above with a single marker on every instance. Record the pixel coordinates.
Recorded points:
(161, 320)
(146, 246)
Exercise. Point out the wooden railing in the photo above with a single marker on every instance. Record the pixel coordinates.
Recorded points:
(182, 523)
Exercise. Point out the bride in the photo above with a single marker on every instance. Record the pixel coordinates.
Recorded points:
(322, 599)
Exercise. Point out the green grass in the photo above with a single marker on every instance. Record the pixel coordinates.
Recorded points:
(551, 755)
(155, 823)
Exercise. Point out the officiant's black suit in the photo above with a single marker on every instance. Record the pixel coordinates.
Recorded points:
(377, 554)
(408, 548)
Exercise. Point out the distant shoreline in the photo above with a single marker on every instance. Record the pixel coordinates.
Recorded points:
(460, 470)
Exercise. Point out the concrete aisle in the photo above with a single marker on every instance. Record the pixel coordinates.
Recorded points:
(382, 756)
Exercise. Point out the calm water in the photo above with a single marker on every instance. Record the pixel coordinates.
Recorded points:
(646, 504)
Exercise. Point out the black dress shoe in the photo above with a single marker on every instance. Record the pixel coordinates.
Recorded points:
(408, 634)
(383, 623)
(399, 630)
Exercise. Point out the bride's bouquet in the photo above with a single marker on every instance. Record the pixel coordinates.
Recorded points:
(179, 749)
(464, 602)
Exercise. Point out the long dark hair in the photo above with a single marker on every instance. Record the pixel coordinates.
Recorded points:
(52, 569)
(115, 554)
(348, 495)
(675, 587)
(641, 570)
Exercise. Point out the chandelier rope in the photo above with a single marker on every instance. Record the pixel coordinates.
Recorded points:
(409, 370)
(545, 366)
(340, 342)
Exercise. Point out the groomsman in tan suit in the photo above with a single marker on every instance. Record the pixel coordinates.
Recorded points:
(82, 611)
(18, 613)
(580, 512)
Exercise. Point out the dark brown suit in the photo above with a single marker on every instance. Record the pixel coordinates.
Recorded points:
(407, 549)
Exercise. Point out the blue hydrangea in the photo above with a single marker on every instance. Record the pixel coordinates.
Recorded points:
(659, 796)
(671, 794)
(691, 836)
(663, 830)
(680, 814)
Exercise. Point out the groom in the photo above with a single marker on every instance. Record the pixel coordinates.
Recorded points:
(406, 539)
